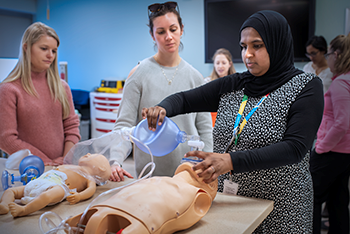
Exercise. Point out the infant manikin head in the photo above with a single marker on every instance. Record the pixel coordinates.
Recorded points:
(97, 166)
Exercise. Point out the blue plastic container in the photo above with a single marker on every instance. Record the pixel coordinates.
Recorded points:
(162, 141)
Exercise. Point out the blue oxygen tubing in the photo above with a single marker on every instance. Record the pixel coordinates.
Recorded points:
(49, 217)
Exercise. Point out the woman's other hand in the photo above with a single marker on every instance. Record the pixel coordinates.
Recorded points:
(48, 163)
(212, 166)
(118, 173)
(58, 161)
(154, 114)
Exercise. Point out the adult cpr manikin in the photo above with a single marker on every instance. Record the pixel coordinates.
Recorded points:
(155, 205)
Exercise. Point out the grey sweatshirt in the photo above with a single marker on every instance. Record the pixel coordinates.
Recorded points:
(146, 87)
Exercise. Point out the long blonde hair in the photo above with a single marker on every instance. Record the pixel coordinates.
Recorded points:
(341, 44)
(22, 69)
(231, 70)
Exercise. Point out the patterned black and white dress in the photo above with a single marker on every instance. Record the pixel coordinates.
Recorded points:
(289, 186)
(271, 158)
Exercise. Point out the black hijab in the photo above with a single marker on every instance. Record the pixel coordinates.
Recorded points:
(276, 34)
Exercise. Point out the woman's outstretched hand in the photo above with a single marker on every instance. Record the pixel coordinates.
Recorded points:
(155, 115)
(118, 173)
(212, 166)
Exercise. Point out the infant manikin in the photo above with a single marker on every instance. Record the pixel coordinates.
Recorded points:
(72, 182)
(155, 205)
(46, 181)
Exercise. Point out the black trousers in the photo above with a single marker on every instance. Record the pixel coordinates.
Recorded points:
(330, 175)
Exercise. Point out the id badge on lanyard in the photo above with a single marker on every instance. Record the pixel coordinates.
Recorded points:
(231, 187)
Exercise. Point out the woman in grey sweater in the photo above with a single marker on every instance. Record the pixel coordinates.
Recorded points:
(167, 73)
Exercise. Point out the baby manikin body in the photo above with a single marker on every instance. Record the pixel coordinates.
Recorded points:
(46, 181)
(73, 182)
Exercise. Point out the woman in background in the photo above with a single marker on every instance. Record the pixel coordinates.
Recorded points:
(223, 65)
(153, 79)
(330, 160)
(316, 48)
(37, 110)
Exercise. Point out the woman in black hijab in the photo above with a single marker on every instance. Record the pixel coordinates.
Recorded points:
(267, 120)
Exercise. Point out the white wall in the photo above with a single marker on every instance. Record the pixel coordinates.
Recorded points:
(330, 18)
(6, 66)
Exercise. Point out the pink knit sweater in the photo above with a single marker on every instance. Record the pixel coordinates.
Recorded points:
(35, 123)
(334, 131)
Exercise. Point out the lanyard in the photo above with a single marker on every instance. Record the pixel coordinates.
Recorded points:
(236, 133)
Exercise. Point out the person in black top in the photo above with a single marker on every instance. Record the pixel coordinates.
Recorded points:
(266, 123)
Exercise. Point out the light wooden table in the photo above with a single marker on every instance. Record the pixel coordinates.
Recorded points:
(228, 214)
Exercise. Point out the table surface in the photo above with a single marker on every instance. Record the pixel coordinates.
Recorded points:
(228, 213)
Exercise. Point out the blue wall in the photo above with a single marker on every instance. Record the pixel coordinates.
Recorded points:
(107, 38)
(23, 6)
(103, 39)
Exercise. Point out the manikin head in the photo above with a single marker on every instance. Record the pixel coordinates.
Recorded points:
(97, 166)
(185, 171)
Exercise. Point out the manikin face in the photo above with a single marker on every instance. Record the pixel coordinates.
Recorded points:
(315, 55)
(86, 159)
(43, 53)
(222, 65)
(97, 166)
(167, 33)
(254, 53)
(93, 160)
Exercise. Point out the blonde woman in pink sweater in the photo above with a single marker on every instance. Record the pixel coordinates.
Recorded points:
(330, 160)
(37, 110)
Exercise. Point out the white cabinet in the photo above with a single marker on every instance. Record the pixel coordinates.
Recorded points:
(104, 108)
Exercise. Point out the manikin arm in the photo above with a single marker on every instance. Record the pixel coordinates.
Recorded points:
(94, 165)
(85, 194)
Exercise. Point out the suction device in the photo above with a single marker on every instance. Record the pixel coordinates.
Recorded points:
(30, 168)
